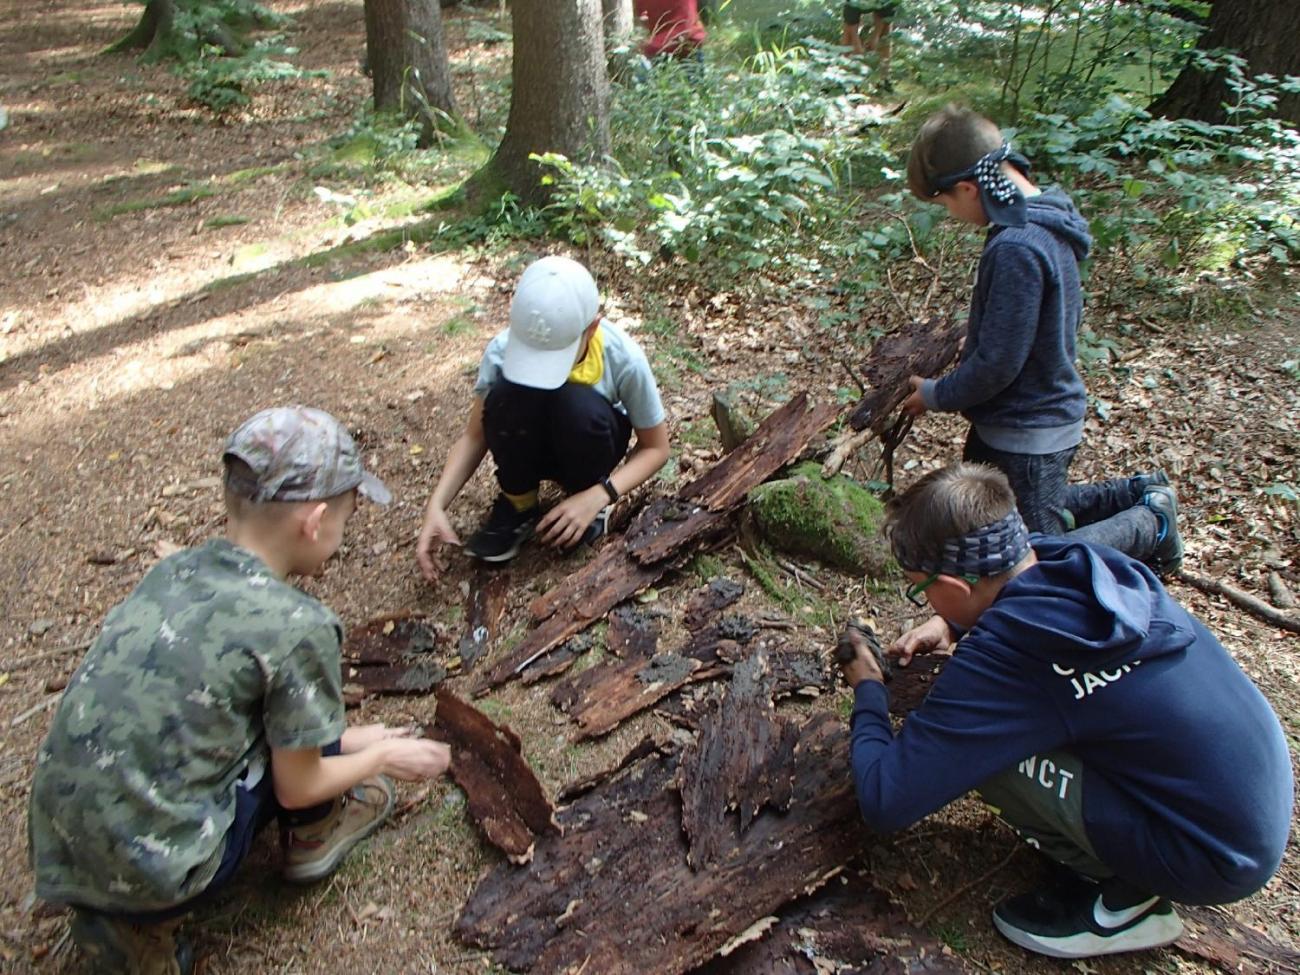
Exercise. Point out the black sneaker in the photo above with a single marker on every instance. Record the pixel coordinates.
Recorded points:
(504, 532)
(598, 528)
(1141, 482)
(1168, 556)
(1085, 919)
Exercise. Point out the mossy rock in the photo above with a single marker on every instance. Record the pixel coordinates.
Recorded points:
(836, 521)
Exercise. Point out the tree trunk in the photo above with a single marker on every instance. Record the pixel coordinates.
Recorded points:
(408, 61)
(618, 22)
(1261, 31)
(560, 96)
(153, 32)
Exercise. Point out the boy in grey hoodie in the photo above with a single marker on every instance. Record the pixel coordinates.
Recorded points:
(1017, 383)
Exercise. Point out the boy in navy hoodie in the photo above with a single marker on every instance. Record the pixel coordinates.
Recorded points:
(1016, 382)
(1101, 720)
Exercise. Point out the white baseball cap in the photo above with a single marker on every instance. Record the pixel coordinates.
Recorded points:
(555, 301)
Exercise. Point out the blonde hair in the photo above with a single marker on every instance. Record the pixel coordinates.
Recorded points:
(952, 139)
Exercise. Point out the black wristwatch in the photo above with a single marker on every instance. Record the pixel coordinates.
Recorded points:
(612, 491)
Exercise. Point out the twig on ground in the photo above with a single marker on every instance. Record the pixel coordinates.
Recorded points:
(857, 380)
(34, 710)
(889, 279)
(1243, 600)
(802, 575)
(964, 888)
(32, 658)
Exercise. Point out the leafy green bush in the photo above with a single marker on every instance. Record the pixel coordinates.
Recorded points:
(221, 83)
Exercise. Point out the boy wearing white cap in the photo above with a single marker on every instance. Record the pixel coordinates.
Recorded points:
(558, 396)
(211, 703)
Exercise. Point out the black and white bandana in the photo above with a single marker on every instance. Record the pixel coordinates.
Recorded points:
(1003, 202)
(987, 551)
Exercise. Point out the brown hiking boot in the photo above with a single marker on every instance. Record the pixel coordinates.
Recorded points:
(314, 851)
(118, 947)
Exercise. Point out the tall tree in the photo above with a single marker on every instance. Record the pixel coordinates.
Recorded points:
(408, 61)
(176, 28)
(559, 101)
(1263, 32)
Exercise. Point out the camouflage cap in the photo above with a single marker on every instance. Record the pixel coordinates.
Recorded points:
(297, 453)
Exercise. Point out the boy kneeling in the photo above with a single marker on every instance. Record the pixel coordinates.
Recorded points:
(1101, 720)
(211, 703)
(558, 395)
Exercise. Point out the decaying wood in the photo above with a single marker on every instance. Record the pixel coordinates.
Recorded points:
(848, 443)
(1278, 591)
(1243, 600)
(798, 670)
(484, 607)
(608, 579)
(917, 349)
(558, 661)
(778, 440)
(501, 791)
(850, 927)
(614, 891)
(708, 602)
(632, 631)
(667, 525)
(741, 761)
(911, 683)
(1234, 947)
(393, 655)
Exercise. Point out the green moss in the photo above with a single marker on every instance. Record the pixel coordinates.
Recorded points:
(836, 521)
(225, 220)
(187, 194)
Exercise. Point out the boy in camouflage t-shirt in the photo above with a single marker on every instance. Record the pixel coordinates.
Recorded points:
(210, 703)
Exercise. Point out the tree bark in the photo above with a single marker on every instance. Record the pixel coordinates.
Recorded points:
(153, 32)
(560, 96)
(408, 61)
(1261, 31)
(618, 22)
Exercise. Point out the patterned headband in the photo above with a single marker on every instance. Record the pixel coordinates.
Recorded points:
(1003, 202)
(987, 551)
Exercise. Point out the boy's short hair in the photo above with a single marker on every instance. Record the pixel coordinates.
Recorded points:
(952, 139)
(950, 503)
(294, 453)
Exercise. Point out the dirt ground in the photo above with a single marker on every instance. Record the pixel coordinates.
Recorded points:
(134, 336)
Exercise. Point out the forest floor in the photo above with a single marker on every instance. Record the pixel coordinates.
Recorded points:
(167, 274)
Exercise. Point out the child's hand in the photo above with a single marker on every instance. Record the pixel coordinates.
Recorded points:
(415, 758)
(564, 524)
(435, 531)
(365, 735)
(862, 665)
(914, 405)
(931, 636)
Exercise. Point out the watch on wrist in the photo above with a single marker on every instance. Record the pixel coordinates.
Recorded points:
(612, 491)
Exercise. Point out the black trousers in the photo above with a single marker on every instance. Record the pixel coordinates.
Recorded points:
(1105, 513)
(571, 435)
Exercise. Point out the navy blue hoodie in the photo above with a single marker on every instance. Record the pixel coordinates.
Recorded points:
(1017, 383)
(1189, 784)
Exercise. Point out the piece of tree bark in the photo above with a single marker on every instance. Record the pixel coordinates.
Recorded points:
(778, 440)
(408, 62)
(558, 661)
(668, 525)
(616, 17)
(501, 791)
(484, 607)
(618, 871)
(705, 604)
(741, 761)
(394, 654)
(1210, 934)
(559, 99)
(917, 349)
(1243, 600)
(1279, 593)
(851, 927)
(1263, 32)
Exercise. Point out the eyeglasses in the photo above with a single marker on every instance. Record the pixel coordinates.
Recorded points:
(913, 592)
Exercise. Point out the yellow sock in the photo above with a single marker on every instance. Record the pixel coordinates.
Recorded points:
(522, 502)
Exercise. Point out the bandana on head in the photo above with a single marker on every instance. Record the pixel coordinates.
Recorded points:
(1003, 202)
(987, 551)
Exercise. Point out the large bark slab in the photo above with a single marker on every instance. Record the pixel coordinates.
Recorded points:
(849, 928)
(501, 791)
(741, 761)
(778, 440)
(614, 891)
(667, 525)
(917, 349)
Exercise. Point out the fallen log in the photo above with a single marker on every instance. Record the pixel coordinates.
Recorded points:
(614, 890)
(666, 526)
(917, 349)
(501, 791)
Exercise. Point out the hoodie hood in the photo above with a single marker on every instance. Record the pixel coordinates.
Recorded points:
(1054, 211)
(1089, 606)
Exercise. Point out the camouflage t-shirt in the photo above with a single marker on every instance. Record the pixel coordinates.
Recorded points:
(211, 661)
